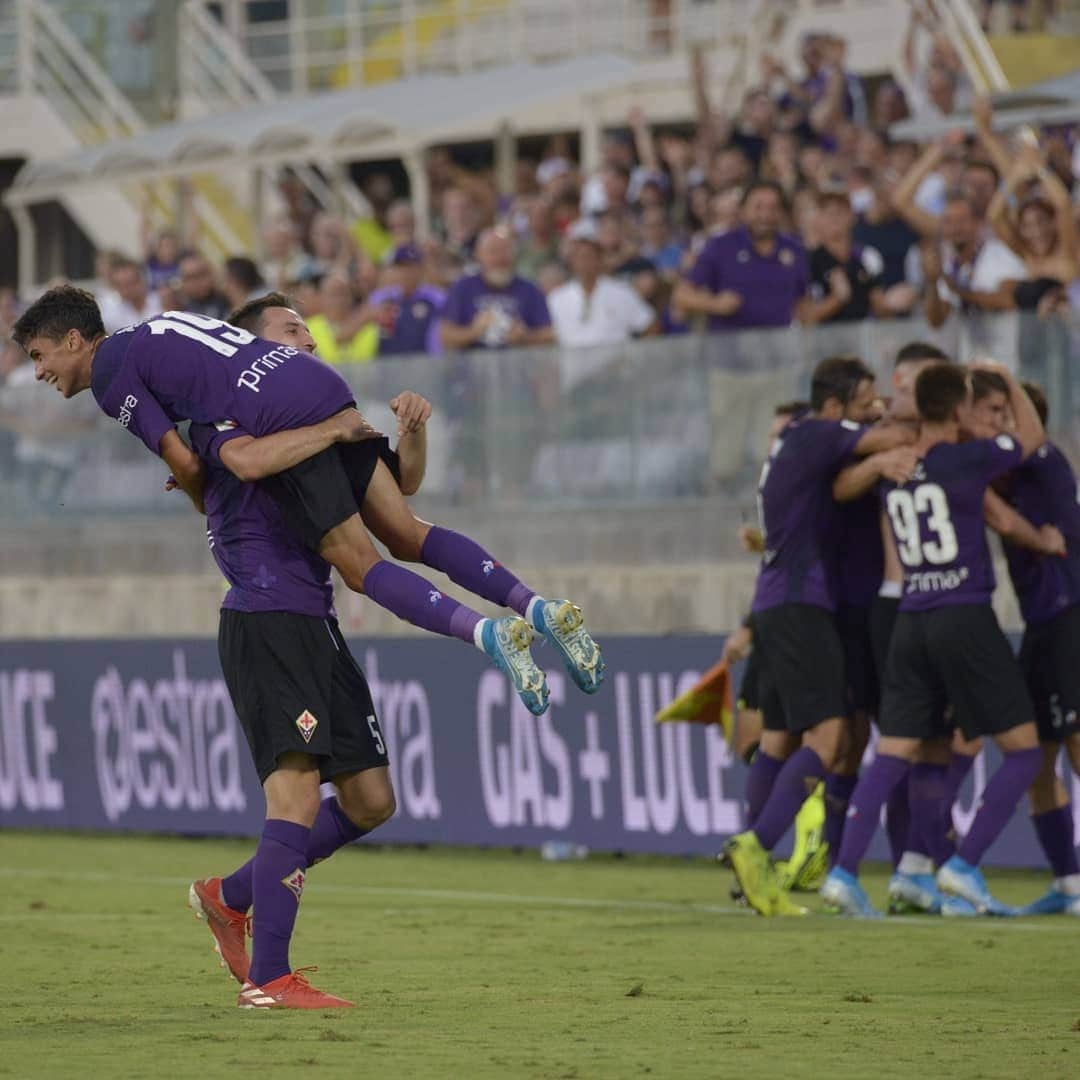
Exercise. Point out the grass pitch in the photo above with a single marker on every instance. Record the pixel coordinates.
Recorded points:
(491, 964)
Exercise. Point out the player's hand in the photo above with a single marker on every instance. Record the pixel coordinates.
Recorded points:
(898, 464)
(752, 539)
(412, 411)
(1053, 541)
(350, 426)
(737, 646)
(170, 483)
(726, 302)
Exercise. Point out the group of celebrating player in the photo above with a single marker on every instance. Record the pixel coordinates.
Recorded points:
(291, 479)
(873, 601)
(875, 572)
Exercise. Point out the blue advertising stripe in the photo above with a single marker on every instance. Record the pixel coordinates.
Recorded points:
(141, 735)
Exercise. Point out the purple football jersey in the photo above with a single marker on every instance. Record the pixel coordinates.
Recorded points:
(858, 552)
(797, 512)
(266, 567)
(1044, 491)
(520, 300)
(179, 366)
(937, 521)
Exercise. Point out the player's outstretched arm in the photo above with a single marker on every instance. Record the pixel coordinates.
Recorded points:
(185, 466)
(249, 458)
(1016, 529)
(855, 481)
(412, 412)
(884, 437)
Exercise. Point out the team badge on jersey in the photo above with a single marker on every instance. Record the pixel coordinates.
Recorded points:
(295, 883)
(307, 725)
(434, 596)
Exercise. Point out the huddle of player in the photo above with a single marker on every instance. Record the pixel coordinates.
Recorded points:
(873, 602)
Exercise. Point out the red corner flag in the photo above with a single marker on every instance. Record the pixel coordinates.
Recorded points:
(708, 701)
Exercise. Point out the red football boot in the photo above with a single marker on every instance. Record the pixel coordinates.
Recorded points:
(290, 991)
(230, 928)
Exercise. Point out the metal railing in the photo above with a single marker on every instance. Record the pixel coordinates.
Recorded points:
(323, 44)
(215, 74)
(635, 425)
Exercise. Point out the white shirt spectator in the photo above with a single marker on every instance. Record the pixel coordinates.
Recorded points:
(994, 264)
(610, 315)
(116, 313)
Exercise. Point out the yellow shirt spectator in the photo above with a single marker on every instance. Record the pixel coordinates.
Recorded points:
(363, 345)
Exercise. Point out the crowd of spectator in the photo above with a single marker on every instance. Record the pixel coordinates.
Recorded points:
(797, 207)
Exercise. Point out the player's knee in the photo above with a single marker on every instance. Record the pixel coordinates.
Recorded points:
(368, 809)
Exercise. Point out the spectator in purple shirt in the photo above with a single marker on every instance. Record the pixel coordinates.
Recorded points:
(495, 308)
(407, 311)
(752, 276)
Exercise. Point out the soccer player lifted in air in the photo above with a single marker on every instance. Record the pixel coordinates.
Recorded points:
(795, 632)
(1044, 491)
(947, 646)
(292, 425)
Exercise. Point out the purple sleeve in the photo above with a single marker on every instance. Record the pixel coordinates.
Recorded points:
(457, 308)
(998, 456)
(845, 437)
(534, 309)
(705, 273)
(208, 439)
(131, 404)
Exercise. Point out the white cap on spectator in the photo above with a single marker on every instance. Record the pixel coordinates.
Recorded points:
(583, 229)
(551, 169)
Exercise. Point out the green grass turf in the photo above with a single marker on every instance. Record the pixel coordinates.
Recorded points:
(493, 964)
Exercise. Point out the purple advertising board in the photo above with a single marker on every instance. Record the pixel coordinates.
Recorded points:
(140, 735)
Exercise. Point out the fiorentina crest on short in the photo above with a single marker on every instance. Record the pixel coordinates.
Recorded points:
(295, 883)
(307, 725)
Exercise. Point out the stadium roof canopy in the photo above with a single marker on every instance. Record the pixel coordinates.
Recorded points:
(360, 123)
(1055, 101)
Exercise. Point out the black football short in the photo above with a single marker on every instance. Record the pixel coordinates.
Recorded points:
(802, 663)
(296, 688)
(853, 626)
(883, 612)
(329, 487)
(749, 687)
(1050, 661)
(956, 654)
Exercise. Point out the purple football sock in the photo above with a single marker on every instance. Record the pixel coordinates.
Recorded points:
(465, 562)
(898, 821)
(838, 791)
(1003, 792)
(417, 601)
(236, 888)
(277, 884)
(959, 766)
(763, 773)
(864, 810)
(927, 785)
(332, 830)
(1055, 831)
(802, 772)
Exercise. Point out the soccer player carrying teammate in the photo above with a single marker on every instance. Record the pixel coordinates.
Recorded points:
(1044, 491)
(947, 645)
(800, 652)
(290, 423)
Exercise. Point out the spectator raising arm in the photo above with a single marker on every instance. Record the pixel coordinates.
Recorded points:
(924, 223)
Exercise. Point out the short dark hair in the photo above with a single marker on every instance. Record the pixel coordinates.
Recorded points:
(837, 377)
(1038, 399)
(985, 383)
(244, 272)
(939, 391)
(982, 163)
(123, 262)
(791, 408)
(249, 316)
(920, 350)
(56, 312)
(765, 185)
